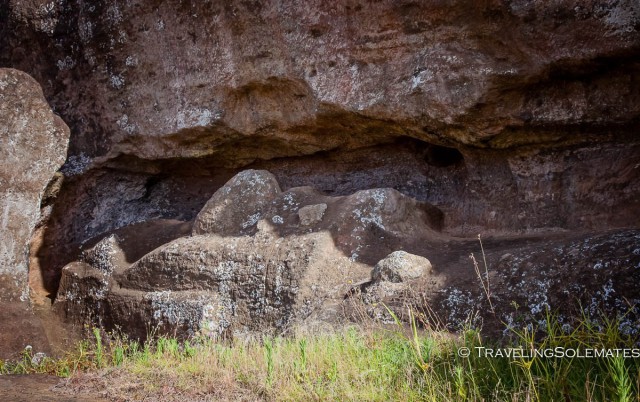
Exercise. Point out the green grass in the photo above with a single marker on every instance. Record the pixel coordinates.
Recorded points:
(357, 364)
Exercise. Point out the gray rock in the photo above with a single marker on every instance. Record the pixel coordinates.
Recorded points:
(238, 205)
(311, 214)
(401, 266)
(33, 145)
(106, 255)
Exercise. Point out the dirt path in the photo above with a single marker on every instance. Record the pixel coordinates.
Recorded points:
(38, 388)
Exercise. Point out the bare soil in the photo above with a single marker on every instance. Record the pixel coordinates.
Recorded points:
(39, 388)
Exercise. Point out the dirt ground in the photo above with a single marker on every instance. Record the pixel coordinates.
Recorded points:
(39, 388)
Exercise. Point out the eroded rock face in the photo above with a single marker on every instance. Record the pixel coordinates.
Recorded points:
(257, 270)
(509, 117)
(279, 273)
(414, 124)
(297, 77)
(238, 205)
(33, 145)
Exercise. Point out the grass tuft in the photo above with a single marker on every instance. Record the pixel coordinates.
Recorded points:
(357, 364)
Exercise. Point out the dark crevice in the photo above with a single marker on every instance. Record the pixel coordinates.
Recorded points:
(443, 157)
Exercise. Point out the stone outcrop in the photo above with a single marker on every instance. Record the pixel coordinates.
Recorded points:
(250, 265)
(387, 126)
(33, 145)
(247, 80)
(509, 117)
(238, 205)
(262, 270)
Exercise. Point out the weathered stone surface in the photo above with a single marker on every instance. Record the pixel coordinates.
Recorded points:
(239, 278)
(106, 256)
(223, 283)
(33, 145)
(219, 286)
(366, 223)
(283, 274)
(311, 214)
(418, 124)
(400, 266)
(260, 80)
(509, 117)
(238, 205)
(571, 276)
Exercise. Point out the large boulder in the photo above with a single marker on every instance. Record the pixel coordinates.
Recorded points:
(238, 205)
(33, 145)
(367, 223)
(213, 285)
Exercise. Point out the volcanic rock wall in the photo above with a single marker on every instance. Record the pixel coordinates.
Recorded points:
(511, 118)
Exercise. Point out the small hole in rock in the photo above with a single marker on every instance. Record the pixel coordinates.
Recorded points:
(442, 156)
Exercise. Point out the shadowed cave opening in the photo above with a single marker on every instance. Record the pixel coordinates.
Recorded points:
(443, 156)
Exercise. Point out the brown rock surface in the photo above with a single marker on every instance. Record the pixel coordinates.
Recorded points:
(33, 145)
(246, 80)
(418, 124)
(256, 269)
(283, 275)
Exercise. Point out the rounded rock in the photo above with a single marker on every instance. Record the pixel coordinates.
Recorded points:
(400, 266)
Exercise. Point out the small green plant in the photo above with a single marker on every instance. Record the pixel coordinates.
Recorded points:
(621, 380)
(268, 352)
(99, 352)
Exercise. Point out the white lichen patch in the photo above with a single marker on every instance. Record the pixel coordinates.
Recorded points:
(85, 30)
(66, 64)
(102, 255)
(124, 123)
(622, 17)
(47, 18)
(131, 61)
(114, 15)
(170, 310)
(116, 81)
(251, 220)
(461, 308)
(370, 212)
(196, 117)
(537, 298)
(289, 202)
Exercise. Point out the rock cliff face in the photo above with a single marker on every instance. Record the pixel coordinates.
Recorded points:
(513, 119)
(190, 79)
